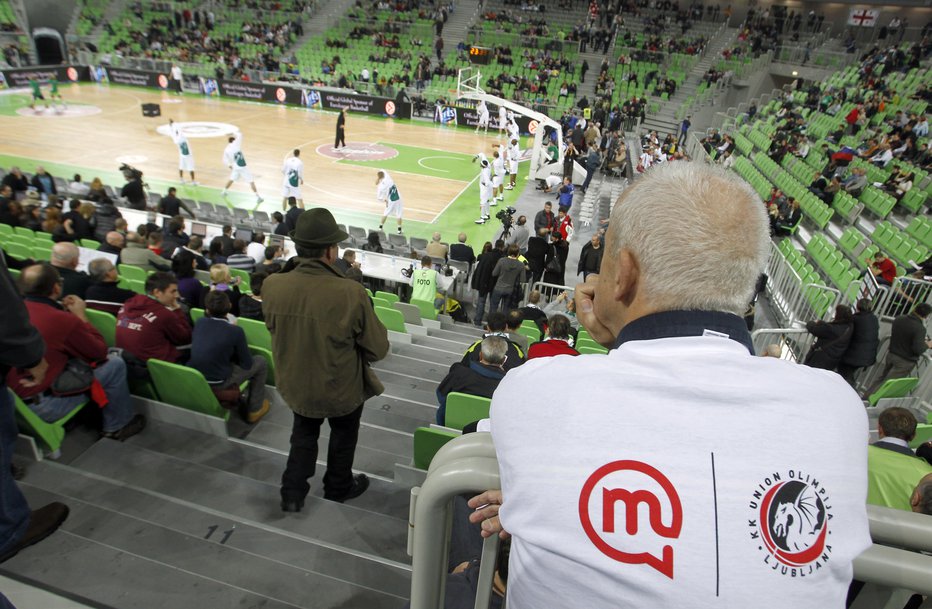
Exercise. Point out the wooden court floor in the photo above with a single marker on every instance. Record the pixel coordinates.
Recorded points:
(102, 140)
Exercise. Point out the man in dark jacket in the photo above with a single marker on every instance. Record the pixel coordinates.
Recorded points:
(590, 259)
(105, 216)
(22, 349)
(134, 192)
(832, 339)
(171, 205)
(496, 326)
(862, 350)
(291, 216)
(908, 341)
(65, 259)
(544, 221)
(482, 280)
(476, 377)
(174, 236)
(104, 294)
(113, 244)
(79, 224)
(153, 325)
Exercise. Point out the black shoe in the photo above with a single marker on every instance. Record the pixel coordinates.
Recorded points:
(136, 424)
(292, 505)
(42, 523)
(360, 484)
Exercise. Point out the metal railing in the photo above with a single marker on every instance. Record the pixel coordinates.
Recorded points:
(789, 295)
(548, 291)
(901, 297)
(794, 343)
(468, 465)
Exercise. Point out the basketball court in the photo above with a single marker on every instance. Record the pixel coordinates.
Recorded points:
(102, 127)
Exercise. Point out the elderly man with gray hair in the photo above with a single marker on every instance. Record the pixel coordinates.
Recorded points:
(476, 377)
(921, 499)
(65, 258)
(105, 294)
(598, 508)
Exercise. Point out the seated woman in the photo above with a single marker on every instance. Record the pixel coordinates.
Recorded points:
(189, 288)
(222, 281)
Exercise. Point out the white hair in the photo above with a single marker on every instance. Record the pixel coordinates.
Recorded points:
(700, 236)
(493, 350)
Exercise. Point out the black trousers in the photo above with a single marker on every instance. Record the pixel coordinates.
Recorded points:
(302, 459)
(340, 139)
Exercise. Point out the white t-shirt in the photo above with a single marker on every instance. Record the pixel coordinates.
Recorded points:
(256, 251)
(498, 165)
(483, 111)
(749, 477)
(176, 73)
(293, 172)
(553, 181)
(233, 153)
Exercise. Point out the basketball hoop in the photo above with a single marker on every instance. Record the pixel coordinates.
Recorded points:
(468, 83)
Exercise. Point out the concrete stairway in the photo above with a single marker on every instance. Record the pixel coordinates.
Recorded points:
(664, 121)
(454, 30)
(180, 515)
(325, 16)
(113, 12)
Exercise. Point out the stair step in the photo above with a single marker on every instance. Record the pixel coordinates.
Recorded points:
(155, 548)
(338, 525)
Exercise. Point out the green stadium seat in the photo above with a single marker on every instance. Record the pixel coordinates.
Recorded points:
(427, 442)
(533, 334)
(426, 308)
(128, 271)
(105, 324)
(257, 334)
(267, 354)
(186, 388)
(50, 434)
(463, 409)
(893, 388)
(381, 302)
(90, 244)
(391, 297)
(391, 318)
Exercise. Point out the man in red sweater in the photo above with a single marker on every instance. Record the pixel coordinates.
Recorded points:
(882, 268)
(557, 341)
(153, 325)
(68, 335)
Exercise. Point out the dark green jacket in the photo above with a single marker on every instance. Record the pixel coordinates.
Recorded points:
(324, 335)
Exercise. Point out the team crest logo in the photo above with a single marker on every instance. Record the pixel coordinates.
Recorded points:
(390, 108)
(532, 127)
(72, 74)
(280, 95)
(163, 81)
(790, 523)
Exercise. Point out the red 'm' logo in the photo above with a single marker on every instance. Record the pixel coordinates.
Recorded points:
(631, 496)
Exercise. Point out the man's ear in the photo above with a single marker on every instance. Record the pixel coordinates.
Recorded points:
(627, 277)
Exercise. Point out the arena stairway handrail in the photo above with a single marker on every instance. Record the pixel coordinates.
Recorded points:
(467, 464)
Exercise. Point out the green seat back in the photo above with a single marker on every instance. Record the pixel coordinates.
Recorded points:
(267, 354)
(923, 434)
(50, 434)
(196, 314)
(381, 302)
(6, 229)
(426, 308)
(256, 333)
(590, 350)
(137, 285)
(17, 250)
(894, 388)
(389, 296)
(392, 320)
(244, 279)
(25, 232)
(128, 271)
(533, 334)
(90, 244)
(891, 477)
(42, 252)
(105, 324)
(427, 442)
(463, 409)
(590, 345)
(185, 387)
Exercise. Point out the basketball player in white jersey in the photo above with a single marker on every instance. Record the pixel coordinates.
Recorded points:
(498, 177)
(185, 157)
(485, 189)
(502, 119)
(514, 153)
(293, 172)
(483, 111)
(234, 159)
(387, 192)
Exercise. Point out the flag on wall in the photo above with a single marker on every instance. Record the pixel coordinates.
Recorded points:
(863, 17)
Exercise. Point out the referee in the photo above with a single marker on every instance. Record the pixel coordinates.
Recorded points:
(341, 131)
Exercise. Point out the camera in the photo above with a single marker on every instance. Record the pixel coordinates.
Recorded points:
(507, 218)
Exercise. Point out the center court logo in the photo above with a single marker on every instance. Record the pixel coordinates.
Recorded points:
(789, 523)
(616, 491)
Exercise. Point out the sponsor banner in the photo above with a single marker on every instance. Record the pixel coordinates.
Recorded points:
(255, 91)
(134, 78)
(367, 104)
(20, 77)
(468, 117)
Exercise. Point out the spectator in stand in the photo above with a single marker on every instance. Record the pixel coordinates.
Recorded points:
(654, 305)
(195, 247)
(78, 188)
(520, 234)
(226, 241)
(462, 252)
(240, 259)
(882, 268)
(896, 428)
(80, 228)
(105, 218)
(137, 254)
(865, 340)
(348, 266)
(45, 184)
(113, 244)
(63, 324)
(21, 349)
(280, 227)
(65, 260)
(482, 280)
(512, 325)
(477, 377)
(565, 194)
(104, 294)
(436, 249)
(153, 325)
(97, 192)
(555, 263)
(373, 244)
(134, 192)
(532, 311)
(171, 205)
(222, 281)
(215, 252)
(590, 259)
(291, 216)
(908, 342)
(17, 181)
(219, 352)
(497, 325)
(921, 499)
(256, 247)
(557, 340)
(174, 238)
(250, 305)
(190, 290)
(154, 240)
(509, 273)
(786, 222)
(832, 337)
